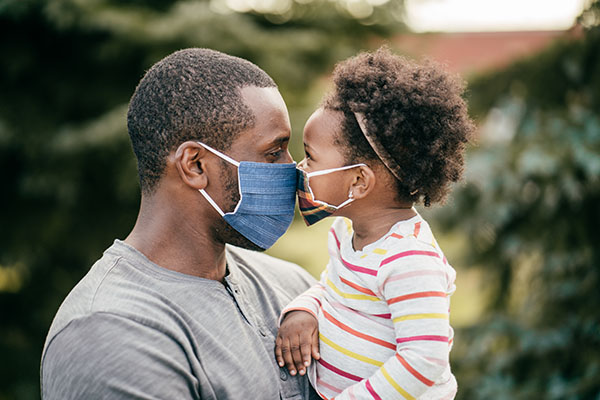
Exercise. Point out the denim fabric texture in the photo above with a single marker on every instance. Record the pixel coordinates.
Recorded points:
(268, 197)
(265, 210)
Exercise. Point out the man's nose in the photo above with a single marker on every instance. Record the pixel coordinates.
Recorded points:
(288, 157)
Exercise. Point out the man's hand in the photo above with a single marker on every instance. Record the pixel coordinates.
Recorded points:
(297, 340)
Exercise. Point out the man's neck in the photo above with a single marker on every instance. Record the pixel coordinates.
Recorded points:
(171, 240)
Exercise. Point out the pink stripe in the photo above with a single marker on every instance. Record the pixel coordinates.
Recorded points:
(320, 382)
(351, 393)
(339, 371)
(355, 313)
(358, 269)
(409, 253)
(335, 237)
(411, 274)
(317, 300)
(437, 361)
(386, 316)
(347, 264)
(370, 389)
(423, 337)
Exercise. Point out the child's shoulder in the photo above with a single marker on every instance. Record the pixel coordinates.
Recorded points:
(412, 233)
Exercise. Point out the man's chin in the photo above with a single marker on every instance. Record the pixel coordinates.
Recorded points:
(243, 242)
(231, 236)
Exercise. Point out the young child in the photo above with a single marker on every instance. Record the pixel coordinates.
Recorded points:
(391, 134)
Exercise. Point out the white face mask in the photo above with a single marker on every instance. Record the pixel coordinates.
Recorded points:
(314, 210)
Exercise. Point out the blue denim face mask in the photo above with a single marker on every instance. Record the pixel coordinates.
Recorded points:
(267, 199)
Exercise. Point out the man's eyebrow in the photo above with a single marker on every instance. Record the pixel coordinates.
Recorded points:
(281, 139)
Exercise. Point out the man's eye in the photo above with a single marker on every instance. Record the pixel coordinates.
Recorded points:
(276, 154)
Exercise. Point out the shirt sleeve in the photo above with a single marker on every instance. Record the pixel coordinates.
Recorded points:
(310, 300)
(415, 287)
(109, 356)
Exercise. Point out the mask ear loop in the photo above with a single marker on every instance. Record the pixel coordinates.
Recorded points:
(327, 171)
(212, 202)
(229, 160)
(219, 154)
(350, 198)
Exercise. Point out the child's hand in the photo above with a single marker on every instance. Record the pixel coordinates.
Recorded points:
(297, 339)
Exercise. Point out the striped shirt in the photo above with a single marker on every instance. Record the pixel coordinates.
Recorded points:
(383, 316)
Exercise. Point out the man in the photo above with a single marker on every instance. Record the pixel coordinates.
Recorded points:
(172, 312)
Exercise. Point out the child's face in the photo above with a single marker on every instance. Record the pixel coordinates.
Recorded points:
(322, 152)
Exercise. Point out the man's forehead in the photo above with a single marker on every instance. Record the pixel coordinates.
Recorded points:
(268, 107)
(263, 98)
(271, 121)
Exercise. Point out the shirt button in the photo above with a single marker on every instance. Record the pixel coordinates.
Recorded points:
(282, 374)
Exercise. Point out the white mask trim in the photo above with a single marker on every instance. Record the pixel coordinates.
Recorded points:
(330, 170)
(219, 154)
(207, 196)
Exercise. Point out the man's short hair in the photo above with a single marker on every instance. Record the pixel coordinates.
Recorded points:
(192, 94)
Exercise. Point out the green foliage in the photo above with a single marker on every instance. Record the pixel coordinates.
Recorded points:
(530, 207)
(69, 183)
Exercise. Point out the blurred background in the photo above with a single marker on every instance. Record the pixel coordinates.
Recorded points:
(521, 230)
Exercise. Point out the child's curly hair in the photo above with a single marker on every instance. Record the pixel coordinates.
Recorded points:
(414, 110)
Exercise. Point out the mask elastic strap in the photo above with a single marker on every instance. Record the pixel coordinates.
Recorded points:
(212, 202)
(345, 203)
(219, 154)
(327, 171)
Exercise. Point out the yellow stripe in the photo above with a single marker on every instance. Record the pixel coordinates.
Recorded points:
(349, 353)
(395, 385)
(380, 251)
(348, 225)
(421, 316)
(351, 296)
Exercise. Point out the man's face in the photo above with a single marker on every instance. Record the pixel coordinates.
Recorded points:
(266, 142)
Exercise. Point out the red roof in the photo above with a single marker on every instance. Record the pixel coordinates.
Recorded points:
(471, 52)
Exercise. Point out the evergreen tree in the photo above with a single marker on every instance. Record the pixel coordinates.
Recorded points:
(530, 208)
(69, 182)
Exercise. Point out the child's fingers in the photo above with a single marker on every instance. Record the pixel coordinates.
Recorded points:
(315, 345)
(286, 352)
(305, 351)
(278, 355)
(297, 355)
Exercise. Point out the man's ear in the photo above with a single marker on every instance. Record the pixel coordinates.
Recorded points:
(363, 182)
(192, 164)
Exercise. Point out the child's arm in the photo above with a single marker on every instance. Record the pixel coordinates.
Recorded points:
(298, 336)
(415, 287)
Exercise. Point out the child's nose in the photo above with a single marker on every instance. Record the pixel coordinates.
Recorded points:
(302, 163)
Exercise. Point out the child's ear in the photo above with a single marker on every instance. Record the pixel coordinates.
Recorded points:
(364, 182)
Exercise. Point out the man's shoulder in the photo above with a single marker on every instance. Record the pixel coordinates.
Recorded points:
(99, 353)
(113, 285)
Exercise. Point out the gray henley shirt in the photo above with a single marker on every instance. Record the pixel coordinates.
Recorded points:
(131, 329)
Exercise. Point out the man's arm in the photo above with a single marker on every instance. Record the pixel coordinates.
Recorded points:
(105, 355)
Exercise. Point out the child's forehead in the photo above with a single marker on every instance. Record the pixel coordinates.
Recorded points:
(323, 124)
